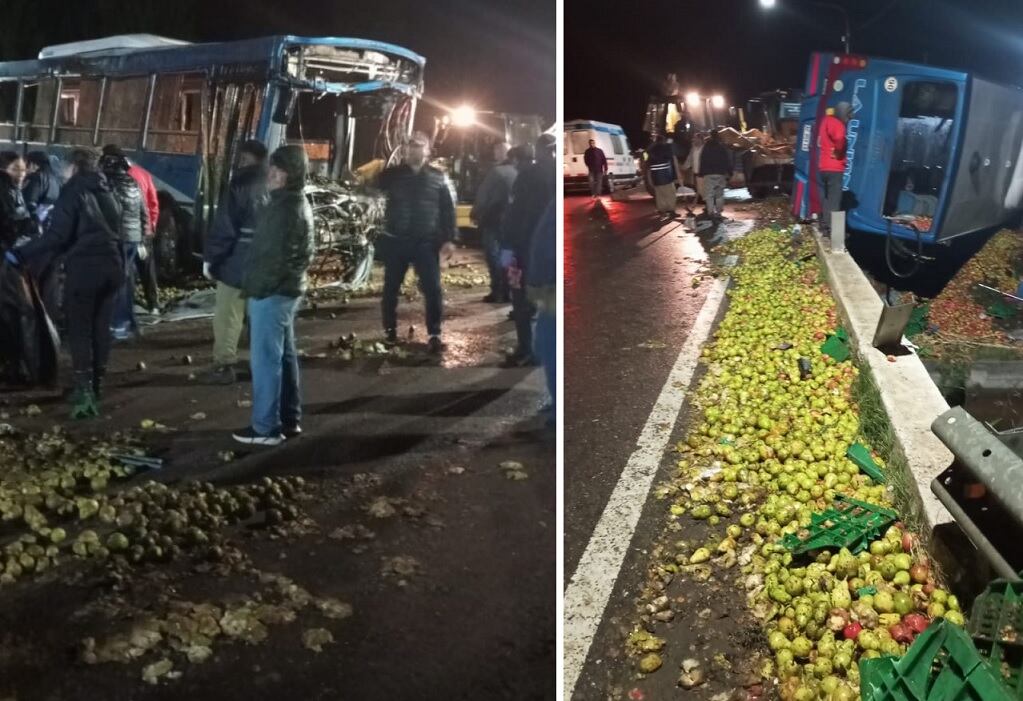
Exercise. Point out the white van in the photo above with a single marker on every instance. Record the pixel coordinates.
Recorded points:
(611, 139)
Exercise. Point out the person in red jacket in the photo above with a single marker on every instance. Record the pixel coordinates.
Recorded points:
(146, 261)
(831, 143)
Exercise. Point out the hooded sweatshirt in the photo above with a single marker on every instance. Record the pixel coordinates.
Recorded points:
(282, 245)
(832, 142)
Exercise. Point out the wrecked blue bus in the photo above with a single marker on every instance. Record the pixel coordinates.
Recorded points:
(933, 153)
(181, 110)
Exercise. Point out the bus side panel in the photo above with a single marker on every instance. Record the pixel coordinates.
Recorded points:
(176, 174)
(987, 159)
(870, 135)
(801, 191)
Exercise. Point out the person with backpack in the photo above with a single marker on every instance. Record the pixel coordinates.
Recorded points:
(84, 227)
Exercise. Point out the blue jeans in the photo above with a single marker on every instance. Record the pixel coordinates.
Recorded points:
(124, 321)
(545, 346)
(276, 391)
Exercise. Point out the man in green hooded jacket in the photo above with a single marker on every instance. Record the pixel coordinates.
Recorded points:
(274, 282)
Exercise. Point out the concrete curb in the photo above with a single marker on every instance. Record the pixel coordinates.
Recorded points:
(910, 397)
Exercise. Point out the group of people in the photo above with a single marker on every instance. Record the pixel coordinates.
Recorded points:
(260, 247)
(710, 163)
(97, 221)
(664, 168)
(97, 224)
(510, 210)
(88, 218)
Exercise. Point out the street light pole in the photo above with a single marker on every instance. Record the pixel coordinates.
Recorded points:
(846, 38)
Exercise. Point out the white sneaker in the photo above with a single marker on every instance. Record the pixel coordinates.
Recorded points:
(249, 436)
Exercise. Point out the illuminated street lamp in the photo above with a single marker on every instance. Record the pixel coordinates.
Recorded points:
(717, 102)
(463, 116)
(846, 38)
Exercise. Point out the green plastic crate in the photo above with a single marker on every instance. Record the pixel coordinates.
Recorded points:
(942, 664)
(849, 523)
(996, 626)
(859, 454)
(917, 321)
(837, 345)
(1001, 310)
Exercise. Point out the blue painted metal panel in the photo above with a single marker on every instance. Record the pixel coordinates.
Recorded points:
(193, 57)
(875, 91)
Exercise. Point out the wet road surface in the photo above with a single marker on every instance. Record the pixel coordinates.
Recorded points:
(478, 618)
(631, 303)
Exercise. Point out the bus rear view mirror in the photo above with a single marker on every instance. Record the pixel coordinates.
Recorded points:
(285, 106)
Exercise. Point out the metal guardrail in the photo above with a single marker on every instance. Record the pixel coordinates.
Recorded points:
(991, 464)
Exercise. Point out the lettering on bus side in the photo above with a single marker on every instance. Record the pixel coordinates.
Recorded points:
(237, 71)
(852, 132)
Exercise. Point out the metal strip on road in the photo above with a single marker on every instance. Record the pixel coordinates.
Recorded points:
(590, 588)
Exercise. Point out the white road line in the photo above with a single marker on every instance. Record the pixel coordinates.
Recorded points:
(590, 588)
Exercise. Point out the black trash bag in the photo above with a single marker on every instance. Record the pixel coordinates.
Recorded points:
(29, 343)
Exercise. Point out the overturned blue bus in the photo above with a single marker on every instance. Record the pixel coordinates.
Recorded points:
(180, 110)
(932, 153)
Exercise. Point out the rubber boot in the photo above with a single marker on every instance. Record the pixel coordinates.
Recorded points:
(98, 373)
(83, 401)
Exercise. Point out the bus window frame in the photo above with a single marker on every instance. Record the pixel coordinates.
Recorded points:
(147, 129)
(92, 130)
(13, 123)
(950, 147)
(21, 125)
(99, 108)
(106, 83)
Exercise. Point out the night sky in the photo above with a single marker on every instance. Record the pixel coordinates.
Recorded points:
(615, 59)
(497, 55)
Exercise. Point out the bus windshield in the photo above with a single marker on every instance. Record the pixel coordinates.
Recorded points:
(923, 146)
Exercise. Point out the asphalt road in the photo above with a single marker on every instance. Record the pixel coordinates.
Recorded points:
(628, 283)
(477, 620)
(634, 289)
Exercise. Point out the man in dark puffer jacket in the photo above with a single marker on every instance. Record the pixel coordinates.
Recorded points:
(420, 228)
(84, 227)
(274, 281)
(134, 225)
(227, 247)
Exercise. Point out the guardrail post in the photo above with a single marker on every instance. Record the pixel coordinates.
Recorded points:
(993, 465)
(838, 232)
